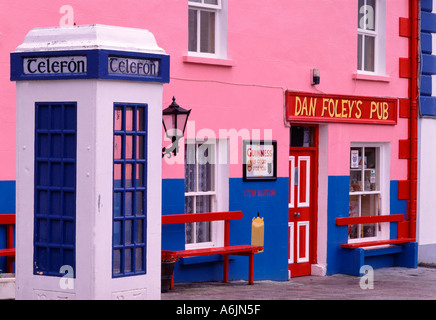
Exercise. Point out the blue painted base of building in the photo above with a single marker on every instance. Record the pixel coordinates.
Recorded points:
(7, 205)
(269, 199)
(350, 261)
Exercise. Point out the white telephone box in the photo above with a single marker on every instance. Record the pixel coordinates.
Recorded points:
(89, 140)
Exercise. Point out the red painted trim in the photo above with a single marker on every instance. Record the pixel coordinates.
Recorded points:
(403, 190)
(201, 217)
(376, 243)
(404, 108)
(369, 219)
(404, 149)
(405, 27)
(405, 64)
(413, 131)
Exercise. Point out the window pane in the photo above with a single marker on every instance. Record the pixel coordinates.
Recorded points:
(190, 174)
(118, 118)
(359, 52)
(128, 203)
(207, 31)
(128, 175)
(192, 42)
(203, 232)
(118, 146)
(117, 261)
(139, 203)
(129, 147)
(128, 231)
(140, 119)
(366, 15)
(369, 53)
(203, 204)
(138, 259)
(189, 204)
(140, 147)
(211, 1)
(205, 167)
(127, 260)
(370, 205)
(129, 119)
(139, 175)
(359, 14)
(139, 231)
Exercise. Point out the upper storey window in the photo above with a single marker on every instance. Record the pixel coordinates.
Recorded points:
(207, 28)
(371, 36)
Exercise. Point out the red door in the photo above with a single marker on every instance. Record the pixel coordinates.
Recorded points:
(302, 210)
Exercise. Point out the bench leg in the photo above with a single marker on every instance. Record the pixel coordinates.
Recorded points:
(226, 268)
(172, 282)
(10, 264)
(251, 269)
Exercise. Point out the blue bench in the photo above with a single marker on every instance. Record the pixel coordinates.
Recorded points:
(400, 252)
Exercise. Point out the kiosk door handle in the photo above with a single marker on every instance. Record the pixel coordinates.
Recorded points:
(296, 214)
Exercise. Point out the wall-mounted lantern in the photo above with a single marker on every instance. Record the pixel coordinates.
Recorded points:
(174, 119)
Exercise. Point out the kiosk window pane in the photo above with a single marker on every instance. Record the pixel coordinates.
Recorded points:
(55, 187)
(129, 190)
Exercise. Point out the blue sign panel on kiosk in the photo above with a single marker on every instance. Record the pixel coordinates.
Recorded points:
(90, 64)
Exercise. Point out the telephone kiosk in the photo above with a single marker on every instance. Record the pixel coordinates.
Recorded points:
(89, 118)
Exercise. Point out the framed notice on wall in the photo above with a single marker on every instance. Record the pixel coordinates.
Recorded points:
(259, 160)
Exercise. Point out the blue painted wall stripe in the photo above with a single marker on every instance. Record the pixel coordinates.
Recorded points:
(7, 197)
(428, 27)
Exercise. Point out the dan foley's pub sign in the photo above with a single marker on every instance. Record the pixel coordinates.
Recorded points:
(308, 107)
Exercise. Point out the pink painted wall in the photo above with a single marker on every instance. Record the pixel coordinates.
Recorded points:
(272, 45)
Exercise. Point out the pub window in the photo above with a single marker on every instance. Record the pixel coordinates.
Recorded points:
(129, 190)
(368, 184)
(207, 27)
(200, 190)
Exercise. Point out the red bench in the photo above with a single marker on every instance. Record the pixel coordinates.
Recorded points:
(225, 251)
(373, 219)
(9, 251)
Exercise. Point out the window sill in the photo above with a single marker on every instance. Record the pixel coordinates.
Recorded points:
(208, 61)
(371, 77)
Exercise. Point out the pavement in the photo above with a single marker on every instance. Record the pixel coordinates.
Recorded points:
(388, 284)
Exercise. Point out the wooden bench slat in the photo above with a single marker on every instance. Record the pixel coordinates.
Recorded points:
(201, 217)
(376, 243)
(7, 218)
(7, 252)
(369, 219)
(235, 250)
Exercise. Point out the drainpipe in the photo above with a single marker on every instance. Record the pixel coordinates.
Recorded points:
(413, 122)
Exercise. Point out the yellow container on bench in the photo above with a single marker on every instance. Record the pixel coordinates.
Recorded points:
(257, 231)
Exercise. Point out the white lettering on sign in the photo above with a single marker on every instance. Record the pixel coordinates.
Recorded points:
(140, 67)
(55, 65)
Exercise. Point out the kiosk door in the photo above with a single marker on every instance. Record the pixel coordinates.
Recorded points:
(302, 210)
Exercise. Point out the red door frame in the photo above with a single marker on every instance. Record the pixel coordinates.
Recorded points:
(313, 230)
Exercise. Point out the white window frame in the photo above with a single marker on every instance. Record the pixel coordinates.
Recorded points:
(220, 195)
(220, 28)
(383, 164)
(380, 40)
